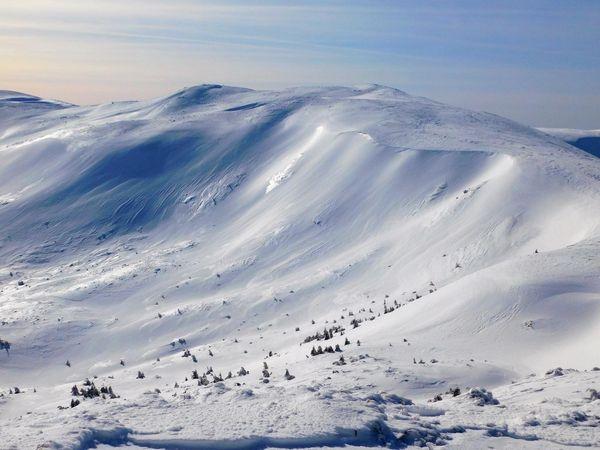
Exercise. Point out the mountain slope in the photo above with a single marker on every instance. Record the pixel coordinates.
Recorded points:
(586, 140)
(246, 221)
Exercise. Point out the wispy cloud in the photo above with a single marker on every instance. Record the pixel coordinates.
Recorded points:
(128, 49)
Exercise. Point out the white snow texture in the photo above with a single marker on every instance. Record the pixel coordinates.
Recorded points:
(415, 267)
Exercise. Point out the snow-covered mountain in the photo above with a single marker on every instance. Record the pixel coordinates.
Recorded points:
(437, 247)
(586, 140)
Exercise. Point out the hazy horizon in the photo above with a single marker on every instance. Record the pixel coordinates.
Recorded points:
(534, 61)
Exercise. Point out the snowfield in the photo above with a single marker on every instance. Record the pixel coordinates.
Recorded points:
(225, 268)
(587, 140)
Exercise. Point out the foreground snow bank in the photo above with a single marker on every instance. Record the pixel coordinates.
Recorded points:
(536, 412)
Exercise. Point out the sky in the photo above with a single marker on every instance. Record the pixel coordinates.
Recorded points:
(535, 61)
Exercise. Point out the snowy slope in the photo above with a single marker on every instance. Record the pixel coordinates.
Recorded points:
(586, 140)
(243, 222)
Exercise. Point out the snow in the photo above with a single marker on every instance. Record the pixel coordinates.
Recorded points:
(586, 140)
(281, 176)
(247, 222)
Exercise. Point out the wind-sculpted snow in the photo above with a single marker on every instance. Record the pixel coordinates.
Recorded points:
(387, 251)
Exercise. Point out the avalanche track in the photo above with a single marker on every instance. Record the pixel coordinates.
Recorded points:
(383, 249)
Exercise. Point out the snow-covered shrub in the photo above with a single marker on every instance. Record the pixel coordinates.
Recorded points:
(557, 372)
(593, 394)
(482, 397)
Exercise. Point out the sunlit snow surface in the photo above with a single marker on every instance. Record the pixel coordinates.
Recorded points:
(244, 222)
(281, 176)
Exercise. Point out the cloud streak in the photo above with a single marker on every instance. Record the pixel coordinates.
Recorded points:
(113, 49)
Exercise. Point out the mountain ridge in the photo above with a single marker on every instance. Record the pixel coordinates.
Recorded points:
(236, 224)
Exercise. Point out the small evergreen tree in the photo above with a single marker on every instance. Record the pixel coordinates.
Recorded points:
(5, 345)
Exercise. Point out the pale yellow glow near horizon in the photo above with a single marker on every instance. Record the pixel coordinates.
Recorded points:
(88, 51)
(528, 61)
